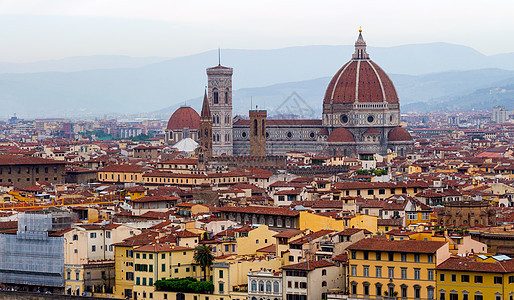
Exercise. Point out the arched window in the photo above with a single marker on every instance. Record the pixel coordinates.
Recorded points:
(323, 272)
(276, 288)
(255, 127)
(323, 283)
(215, 95)
(226, 96)
(254, 286)
(268, 287)
(261, 286)
(218, 119)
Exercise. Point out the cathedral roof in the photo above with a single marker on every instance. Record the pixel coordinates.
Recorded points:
(341, 135)
(372, 131)
(399, 134)
(184, 117)
(360, 80)
(280, 122)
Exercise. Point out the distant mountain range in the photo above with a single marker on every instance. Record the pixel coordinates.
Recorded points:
(80, 63)
(86, 86)
(476, 89)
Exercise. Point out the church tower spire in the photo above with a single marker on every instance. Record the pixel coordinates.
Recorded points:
(205, 133)
(360, 48)
(206, 109)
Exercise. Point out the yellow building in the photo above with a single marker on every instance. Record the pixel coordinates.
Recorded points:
(283, 239)
(229, 276)
(362, 222)
(190, 180)
(406, 269)
(476, 278)
(161, 261)
(124, 271)
(121, 174)
(188, 209)
(414, 169)
(124, 263)
(136, 192)
(249, 239)
(316, 222)
(379, 190)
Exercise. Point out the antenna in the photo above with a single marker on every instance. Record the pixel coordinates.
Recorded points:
(251, 102)
(219, 56)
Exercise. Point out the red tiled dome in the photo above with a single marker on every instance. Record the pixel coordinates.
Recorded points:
(184, 117)
(360, 80)
(399, 134)
(341, 135)
(369, 84)
(372, 131)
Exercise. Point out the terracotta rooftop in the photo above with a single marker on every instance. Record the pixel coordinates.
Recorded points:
(155, 199)
(7, 160)
(308, 266)
(310, 237)
(161, 248)
(268, 249)
(289, 233)
(470, 265)
(352, 231)
(261, 210)
(411, 246)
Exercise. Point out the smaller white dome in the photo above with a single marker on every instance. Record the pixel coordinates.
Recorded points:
(186, 145)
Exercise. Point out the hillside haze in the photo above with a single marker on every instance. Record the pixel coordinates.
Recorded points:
(86, 86)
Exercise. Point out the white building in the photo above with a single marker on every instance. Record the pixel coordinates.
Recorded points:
(500, 114)
(264, 284)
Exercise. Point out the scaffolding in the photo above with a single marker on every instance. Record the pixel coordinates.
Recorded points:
(31, 256)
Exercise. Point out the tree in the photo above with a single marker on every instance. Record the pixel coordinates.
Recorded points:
(204, 257)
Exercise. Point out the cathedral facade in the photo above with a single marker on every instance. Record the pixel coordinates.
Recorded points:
(361, 115)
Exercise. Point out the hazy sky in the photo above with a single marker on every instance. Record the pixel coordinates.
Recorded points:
(50, 29)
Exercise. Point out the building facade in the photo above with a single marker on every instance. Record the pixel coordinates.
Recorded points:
(466, 213)
(500, 114)
(476, 278)
(397, 269)
(26, 171)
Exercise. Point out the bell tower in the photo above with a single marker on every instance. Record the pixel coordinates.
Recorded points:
(205, 133)
(219, 95)
(258, 132)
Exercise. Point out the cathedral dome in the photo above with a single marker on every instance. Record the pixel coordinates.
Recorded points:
(399, 134)
(360, 80)
(184, 117)
(341, 135)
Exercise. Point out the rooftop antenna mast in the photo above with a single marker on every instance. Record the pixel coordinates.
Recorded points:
(219, 56)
